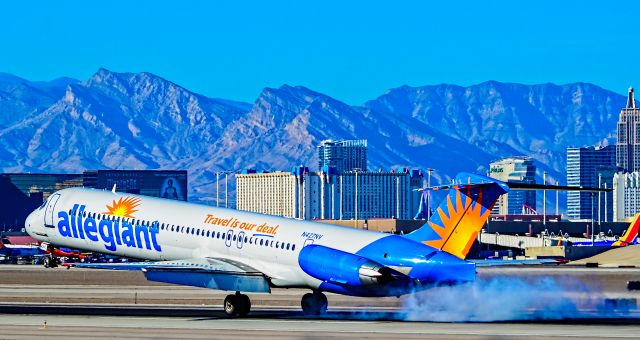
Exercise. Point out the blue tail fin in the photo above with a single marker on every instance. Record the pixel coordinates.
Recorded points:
(459, 218)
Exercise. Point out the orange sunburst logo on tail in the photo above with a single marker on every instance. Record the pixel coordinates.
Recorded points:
(124, 207)
(460, 224)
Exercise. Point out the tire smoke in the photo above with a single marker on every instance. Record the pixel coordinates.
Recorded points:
(506, 299)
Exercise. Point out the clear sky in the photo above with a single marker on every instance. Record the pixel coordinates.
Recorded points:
(351, 50)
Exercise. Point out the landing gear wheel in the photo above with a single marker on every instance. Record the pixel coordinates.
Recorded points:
(314, 303)
(245, 305)
(237, 304)
(231, 303)
(50, 262)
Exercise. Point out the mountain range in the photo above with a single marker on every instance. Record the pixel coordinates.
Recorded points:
(142, 121)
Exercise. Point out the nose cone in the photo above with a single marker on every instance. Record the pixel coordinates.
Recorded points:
(444, 268)
(29, 223)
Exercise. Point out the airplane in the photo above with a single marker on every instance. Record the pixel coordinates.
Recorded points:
(239, 251)
(41, 250)
(629, 237)
(55, 253)
(14, 250)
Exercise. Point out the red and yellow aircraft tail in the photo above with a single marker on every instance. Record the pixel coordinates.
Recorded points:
(629, 236)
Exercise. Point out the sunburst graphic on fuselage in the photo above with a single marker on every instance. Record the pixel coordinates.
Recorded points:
(124, 207)
(460, 225)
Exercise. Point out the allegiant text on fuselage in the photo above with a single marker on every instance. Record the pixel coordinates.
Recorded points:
(111, 232)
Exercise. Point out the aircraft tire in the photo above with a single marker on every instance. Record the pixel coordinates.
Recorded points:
(50, 262)
(314, 303)
(231, 304)
(245, 305)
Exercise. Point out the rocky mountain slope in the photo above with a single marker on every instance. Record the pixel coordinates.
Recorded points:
(141, 121)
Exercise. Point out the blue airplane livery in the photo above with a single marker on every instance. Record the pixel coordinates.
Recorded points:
(111, 231)
(238, 251)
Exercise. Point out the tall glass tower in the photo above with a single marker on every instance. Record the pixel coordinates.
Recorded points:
(343, 155)
(514, 170)
(628, 145)
(589, 167)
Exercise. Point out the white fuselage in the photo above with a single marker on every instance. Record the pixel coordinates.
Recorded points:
(161, 229)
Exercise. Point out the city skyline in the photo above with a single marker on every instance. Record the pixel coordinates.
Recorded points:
(351, 51)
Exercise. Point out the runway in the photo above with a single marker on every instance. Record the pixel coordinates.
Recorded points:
(106, 304)
(281, 325)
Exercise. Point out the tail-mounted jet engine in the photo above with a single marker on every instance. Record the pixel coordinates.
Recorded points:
(336, 266)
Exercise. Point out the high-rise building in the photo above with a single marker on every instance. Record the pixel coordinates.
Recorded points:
(589, 167)
(379, 194)
(626, 195)
(270, 193)
(343, 155)
(327, 194)
(514, 170)
(604, 200)
(628, 144)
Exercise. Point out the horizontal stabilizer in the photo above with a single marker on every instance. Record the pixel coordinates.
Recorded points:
(530, 186)
(519, 186)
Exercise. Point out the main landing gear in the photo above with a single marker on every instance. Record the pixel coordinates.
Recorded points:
(237, 304)
(314, 303)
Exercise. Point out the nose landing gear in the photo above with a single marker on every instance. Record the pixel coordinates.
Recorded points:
(50, 261)
(314, 303)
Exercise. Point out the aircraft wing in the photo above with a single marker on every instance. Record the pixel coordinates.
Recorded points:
(493, 263)
(213, 273)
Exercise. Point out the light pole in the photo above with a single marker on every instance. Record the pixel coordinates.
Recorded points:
(226, 189)
(599, 205)
(557, 191)
(605, 204)
(544, 199)
(355, 170)
(429, 192)
(217, 188)
(593, 227)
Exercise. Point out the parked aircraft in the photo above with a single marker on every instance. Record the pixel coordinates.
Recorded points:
(630, 236)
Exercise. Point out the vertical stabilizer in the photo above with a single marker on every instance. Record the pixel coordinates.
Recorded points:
(630, 235)
(461, 215)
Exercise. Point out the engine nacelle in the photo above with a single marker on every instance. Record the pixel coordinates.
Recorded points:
(336, 266)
